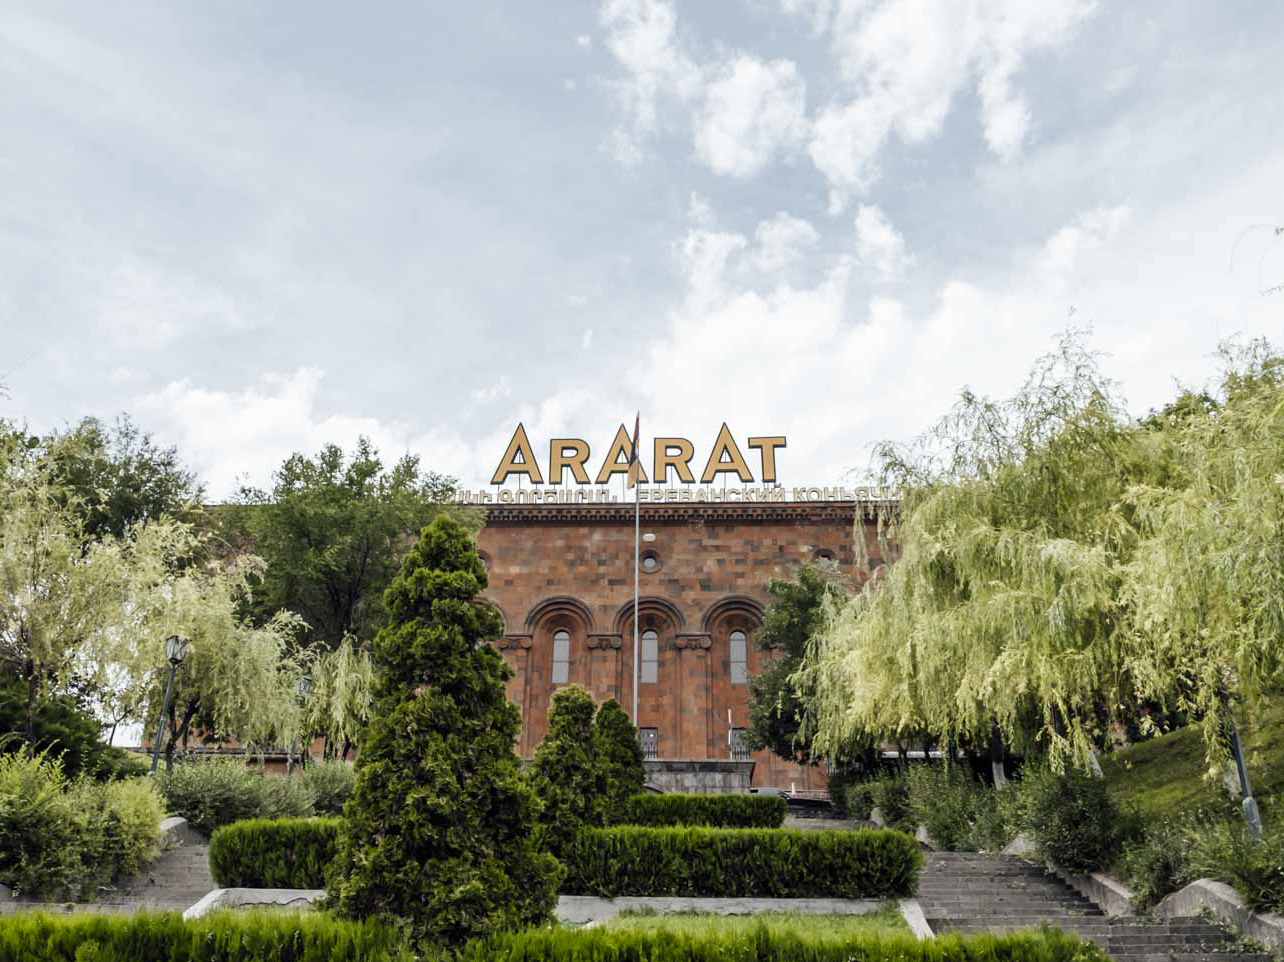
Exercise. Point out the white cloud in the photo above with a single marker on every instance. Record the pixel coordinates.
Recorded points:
(584, 40)
(493, 391)
(817, 11)
(879, 244)
(147, 307)
(586, 340)
(781, 242)
(907, 60)
(751, 111)
(576, 300)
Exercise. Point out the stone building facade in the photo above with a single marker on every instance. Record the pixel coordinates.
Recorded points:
(562, 577)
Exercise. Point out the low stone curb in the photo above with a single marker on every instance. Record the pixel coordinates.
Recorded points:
(1111, 895)
(1229, 906)
(913, 915)
(588, 909)
(241, 898)
(175, 831)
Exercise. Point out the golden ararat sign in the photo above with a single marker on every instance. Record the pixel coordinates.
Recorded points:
(668, 454)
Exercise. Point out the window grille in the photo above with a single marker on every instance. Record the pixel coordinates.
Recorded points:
(650, 657)
(649, 739)
(739, 658)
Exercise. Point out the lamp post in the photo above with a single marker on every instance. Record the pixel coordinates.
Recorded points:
(302, 688)
(175, 651)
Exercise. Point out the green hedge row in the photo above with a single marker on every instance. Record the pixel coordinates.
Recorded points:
(222, 937)
(276, 853)
(628, 860)
(713, 811)
(604, 945)
(742, 862)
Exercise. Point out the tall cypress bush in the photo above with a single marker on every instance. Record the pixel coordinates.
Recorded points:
(440, 829)
(566, 772)
(620, 757)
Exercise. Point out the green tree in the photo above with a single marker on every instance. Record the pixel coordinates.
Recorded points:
(620, 757)
(440, 829)
(333, 532)
(566, 771)
(776, 703)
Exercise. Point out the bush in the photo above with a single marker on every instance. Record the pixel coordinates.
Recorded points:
(219, 791)
(620, 757)
(959, 813)
(892, 797)
(223, 936)
(62, 838)
(329, 784)
(1073, 819)
(713, 811)
(567, 773)
(281, 853)
(734, 863)
(1223, 850)
(606, 945)
(64, 732)
(1158, 863)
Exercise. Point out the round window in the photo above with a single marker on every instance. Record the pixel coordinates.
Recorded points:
(650, 562)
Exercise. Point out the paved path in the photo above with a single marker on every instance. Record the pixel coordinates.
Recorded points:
(582, 909)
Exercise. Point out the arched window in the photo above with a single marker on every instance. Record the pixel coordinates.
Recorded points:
(650, 656)
(739, 658)
(561, 656)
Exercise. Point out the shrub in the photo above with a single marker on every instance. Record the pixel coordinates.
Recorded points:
(329, 784)
(892, 797)
(65, 732)
(219, 791)
(1073, 819)
(71, 838)
(567, 773)
(714, 811)
(620, 757)
(224, 936)
(732, 863)
(440, 829)
(1158, 863)
(624, 945)
(959, 813)
(280, 853)
(1223, 850)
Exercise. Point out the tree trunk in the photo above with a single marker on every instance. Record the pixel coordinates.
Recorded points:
(33, 691)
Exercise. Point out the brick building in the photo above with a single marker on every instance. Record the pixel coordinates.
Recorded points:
(562, 577)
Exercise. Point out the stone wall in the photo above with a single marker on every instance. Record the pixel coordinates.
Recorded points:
(700, 777)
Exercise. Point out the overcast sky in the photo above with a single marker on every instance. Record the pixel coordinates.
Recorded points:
(261, 227)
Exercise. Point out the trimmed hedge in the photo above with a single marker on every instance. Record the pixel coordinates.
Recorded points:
(604, 945)
(223, 937)
(712, 811)
(284, 853)
(745, 862)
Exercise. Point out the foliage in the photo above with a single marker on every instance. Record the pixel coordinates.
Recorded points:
(287, 853)
(1158, 862)
(620, 757)
(758, 943)
(789, 623)
(338, 706)
(262, 936)
(1223, 850)
(1073, 819)
(71, 838)
(807, 926)
(741, 863)
(333, 530)
(218, 791)
(713, 811)
(958, 812)
(1064, 567)
(121, 478)
(891, 795)
(439, 831)
(566, 772)
(330, 785)
(62, 730)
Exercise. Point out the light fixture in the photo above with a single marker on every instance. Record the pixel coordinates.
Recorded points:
(175, 649)
(303, 687)
(648, 537)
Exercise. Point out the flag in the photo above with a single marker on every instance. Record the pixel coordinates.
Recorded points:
(633, 451)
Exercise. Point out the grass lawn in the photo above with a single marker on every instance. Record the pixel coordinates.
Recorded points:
(812, 928)
(1165, 776)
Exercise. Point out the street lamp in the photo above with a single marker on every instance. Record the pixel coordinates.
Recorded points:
(175, 651)
(302, 688)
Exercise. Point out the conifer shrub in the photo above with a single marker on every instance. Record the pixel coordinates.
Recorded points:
(440, 830)
(607, 945)
(282, 853)
(713, 811)
(566, 772)
(620, 756)
(220, 937)
(741, 863)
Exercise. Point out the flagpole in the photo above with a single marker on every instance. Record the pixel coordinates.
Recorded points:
(637, 550)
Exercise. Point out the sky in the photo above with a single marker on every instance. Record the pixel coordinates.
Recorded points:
(258, 228)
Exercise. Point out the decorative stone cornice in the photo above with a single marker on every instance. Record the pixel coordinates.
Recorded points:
(605, 641)
(515, 641)
(698, 640)
(806, 512)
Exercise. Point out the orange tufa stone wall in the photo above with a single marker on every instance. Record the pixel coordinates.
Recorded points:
(570, 567)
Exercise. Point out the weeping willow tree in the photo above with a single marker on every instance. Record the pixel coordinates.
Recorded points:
(1063, 566)
(338, 707)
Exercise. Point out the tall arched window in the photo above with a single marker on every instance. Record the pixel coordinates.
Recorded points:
(650, 656)
(561, 656)
(739, 658)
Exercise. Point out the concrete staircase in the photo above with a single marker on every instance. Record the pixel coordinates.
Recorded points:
(964, 894)
(175, 881)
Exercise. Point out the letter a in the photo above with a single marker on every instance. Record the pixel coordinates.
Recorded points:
(735, 463)
(511, 465)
